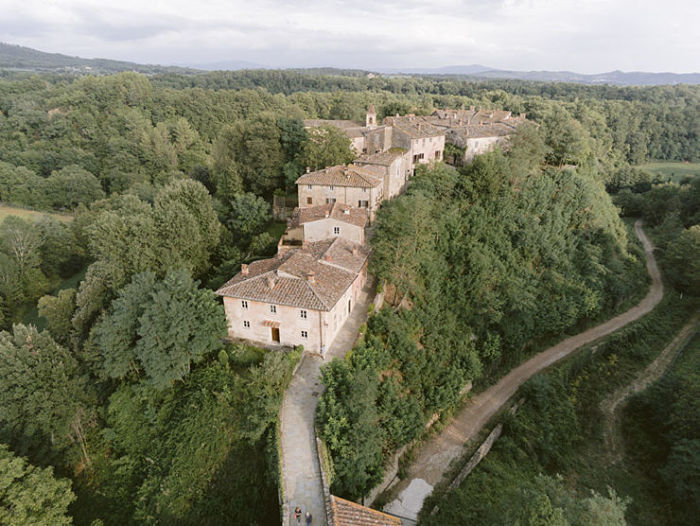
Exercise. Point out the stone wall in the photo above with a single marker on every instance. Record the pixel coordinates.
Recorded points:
(392, 469)
(330, 519)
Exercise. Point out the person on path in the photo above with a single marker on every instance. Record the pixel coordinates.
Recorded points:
(297, 514)
(308, 518)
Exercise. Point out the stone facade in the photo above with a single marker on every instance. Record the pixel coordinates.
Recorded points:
(286, 326)
(394, 168)
(352, 185)
(324, 222)
(301, 297)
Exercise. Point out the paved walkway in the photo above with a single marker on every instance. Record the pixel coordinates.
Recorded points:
(302, 473)
(434, 458)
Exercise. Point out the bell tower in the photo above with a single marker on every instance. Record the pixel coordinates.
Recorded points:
(371, 120)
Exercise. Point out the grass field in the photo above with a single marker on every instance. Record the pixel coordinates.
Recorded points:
(33, 215)
(675, 170)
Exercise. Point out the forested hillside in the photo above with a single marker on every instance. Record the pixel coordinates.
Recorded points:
(553, 461)
(487, 261)
(113, 371)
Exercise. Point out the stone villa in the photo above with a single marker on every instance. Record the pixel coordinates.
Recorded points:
(324, 222)
(300, 297)
(353, 185)
(424, 137)
(477, 131)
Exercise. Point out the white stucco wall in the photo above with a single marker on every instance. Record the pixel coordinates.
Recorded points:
(323, 229)
(347, 195)
(479, 145)
(321, 326)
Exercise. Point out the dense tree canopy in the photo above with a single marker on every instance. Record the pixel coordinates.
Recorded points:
(30, 495)
(159, 328)
(485, 260)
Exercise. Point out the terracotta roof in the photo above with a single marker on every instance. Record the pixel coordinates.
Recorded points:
(345, 213)
(284, 280)
(452, 118)
(382, 158)
(414, 127)
(347, 513)
(340, 175)
(489, 130)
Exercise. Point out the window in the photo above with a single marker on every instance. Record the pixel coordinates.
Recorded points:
(244, 304)
(302, 313)
(309, 201)
(336, 230)
(332, 188)
(330, 200)
(364, 190)
(308, 186)
(273, 309)
(246, 324)
(304, 334)
(363, 204)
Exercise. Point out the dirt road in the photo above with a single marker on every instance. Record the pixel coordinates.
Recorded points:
(434, 458)
(611, 406)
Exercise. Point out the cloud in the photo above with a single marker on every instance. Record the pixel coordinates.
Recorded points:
(580, 35)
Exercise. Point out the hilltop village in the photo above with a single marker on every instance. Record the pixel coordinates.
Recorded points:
(304, 294)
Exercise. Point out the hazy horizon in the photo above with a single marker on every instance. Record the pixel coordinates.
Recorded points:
(592, 36)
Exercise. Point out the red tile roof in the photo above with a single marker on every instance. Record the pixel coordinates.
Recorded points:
(345, 213)
(284, 280)
(341, 175)
(347, 513)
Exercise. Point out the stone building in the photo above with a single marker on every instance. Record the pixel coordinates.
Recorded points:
(300, 297)
(324, 222)
(423, 141)
(353, 185)
(393, 167)
(476, 131)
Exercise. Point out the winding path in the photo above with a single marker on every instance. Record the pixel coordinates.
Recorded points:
(611, 406)
(434, 458)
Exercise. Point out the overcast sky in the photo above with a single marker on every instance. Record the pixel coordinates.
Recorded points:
(587, 36)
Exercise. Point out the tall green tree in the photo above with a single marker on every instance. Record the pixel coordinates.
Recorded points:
(326, 146)
(158, 329)
(45, 402)
(30, 496)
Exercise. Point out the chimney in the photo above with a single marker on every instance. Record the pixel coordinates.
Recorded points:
(345, 172)
(308, 169)
(328, 257)
(354, 251)
(311, 277)
(244, 269)
(271, 282)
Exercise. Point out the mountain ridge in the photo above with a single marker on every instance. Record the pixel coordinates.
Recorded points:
(21, 58)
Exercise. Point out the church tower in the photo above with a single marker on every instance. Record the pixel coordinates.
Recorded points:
(371, 120)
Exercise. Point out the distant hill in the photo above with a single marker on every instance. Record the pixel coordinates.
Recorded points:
(28, 59)
(619, 78)
(21, 58)
(471, 69)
